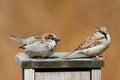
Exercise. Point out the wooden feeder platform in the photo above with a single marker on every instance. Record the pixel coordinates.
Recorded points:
(55, 68)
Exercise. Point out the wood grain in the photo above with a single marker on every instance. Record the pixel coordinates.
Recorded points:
(96, 74)
(28, 74)
(80, 62)
(62, 76)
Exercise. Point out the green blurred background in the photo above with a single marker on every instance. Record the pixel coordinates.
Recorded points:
(72, 20)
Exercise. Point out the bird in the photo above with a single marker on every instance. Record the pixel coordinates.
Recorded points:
(42, 46)
(94, 45)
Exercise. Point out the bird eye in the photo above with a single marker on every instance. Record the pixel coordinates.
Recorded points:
(51, 37)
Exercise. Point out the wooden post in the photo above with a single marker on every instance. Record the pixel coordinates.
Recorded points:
(54, 68)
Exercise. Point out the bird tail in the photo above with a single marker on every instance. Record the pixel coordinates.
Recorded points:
(68, 55)
(72, 54)
(18, 39)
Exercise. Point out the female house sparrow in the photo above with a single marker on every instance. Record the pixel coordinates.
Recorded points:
(39, 46)
(94, 45)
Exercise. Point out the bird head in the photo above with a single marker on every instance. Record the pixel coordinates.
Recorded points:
(51, 36)
(102, 29)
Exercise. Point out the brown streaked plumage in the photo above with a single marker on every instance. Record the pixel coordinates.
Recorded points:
(95, 44)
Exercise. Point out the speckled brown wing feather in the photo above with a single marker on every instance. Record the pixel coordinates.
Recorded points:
(37, 38)
(88, 45)
(90, 42)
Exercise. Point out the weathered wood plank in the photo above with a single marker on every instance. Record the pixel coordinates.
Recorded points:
(26, 62)
(62, 75)
(96, 74)
(29, 74)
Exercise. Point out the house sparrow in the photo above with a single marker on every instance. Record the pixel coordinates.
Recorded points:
(94, 45)
(39, 46)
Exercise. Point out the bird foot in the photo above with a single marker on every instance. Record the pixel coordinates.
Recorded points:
(97, 57)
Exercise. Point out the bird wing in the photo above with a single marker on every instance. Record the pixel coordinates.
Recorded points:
(36, 46)
(90, 42)
(32, 39)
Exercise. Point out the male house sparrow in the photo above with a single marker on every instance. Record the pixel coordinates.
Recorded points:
(94, 45)
(39, 46)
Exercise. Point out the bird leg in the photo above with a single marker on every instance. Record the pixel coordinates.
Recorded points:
(97, 57)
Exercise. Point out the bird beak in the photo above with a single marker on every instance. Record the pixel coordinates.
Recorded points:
(57, 39)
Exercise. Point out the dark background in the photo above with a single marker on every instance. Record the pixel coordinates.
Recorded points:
(72, 20)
